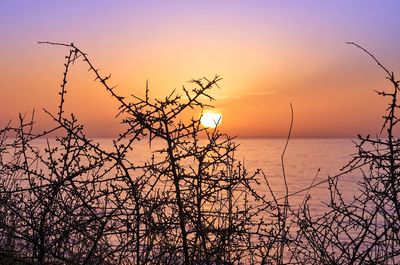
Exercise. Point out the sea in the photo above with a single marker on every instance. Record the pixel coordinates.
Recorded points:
(306, 161)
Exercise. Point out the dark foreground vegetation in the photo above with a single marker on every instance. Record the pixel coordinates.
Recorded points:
(192, 202)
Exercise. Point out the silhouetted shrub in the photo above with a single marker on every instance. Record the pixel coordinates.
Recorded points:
(71, 200)
(74, 202)
(364, 230)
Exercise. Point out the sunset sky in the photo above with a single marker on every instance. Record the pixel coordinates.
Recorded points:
(269, 54)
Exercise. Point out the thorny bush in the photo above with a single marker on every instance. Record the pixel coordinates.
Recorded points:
(71, 200)
(77, 202)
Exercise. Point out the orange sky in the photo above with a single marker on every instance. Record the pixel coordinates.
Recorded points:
(269, 54)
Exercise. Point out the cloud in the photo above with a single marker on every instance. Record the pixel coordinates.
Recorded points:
(259, 93)
(244, 95)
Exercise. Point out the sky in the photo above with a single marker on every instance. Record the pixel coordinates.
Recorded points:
(269, 54)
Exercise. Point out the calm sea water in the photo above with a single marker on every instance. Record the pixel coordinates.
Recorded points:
(304, 158)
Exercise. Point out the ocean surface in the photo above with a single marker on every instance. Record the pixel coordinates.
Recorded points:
(305, 161)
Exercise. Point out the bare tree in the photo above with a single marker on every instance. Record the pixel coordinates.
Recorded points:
(77, 202)
(72, 200)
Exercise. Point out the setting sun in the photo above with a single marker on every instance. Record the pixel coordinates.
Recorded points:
(211, 119)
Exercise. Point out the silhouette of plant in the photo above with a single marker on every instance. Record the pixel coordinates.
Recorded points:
(77, 202)
(364, 230)
(72, 200)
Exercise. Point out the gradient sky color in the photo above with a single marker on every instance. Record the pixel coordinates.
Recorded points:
(269, 54)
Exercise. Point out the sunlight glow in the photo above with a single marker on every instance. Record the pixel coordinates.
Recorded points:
(211, 119)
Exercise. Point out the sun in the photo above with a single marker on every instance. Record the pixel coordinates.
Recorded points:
(211, 119)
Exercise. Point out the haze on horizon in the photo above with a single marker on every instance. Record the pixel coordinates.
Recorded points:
(269, 54)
